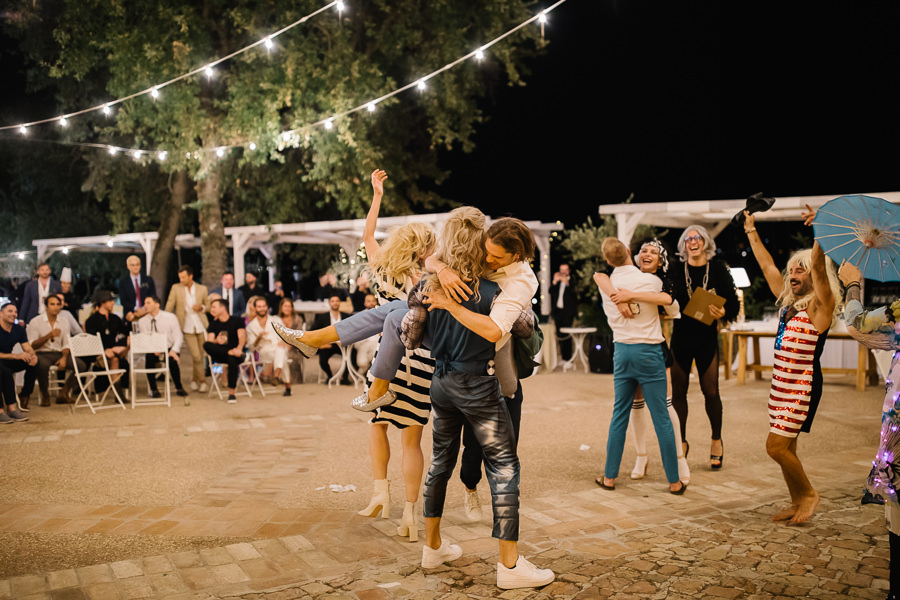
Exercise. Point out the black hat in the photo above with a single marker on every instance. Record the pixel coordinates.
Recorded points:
(101, 296)
(755, 203)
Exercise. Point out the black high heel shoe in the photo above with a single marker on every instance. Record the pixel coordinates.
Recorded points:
(715, 462)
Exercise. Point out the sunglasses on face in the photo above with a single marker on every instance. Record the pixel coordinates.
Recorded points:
(693, 238)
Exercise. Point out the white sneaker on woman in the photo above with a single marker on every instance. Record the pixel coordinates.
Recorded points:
(473, 506)
(523, 575)
(432, 559)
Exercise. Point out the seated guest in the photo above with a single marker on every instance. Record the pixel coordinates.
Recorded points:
(232, 296)
(252, 286)
(48, 335)
(288, 315)
(275, 298)
(74, 326)
(134, 287)
(272, 351)
(325, 320)
(156, 320)
(113, 333)
(11, 363)
(225, 341)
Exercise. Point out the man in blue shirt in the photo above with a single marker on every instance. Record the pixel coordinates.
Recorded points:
(12, 362)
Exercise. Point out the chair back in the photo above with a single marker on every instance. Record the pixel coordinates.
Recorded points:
(85, 344)
(147, 343)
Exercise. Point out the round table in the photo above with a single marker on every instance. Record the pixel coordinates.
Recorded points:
(578, 334)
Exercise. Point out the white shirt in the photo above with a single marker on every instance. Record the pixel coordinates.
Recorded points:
(40, 326)
(255, 331)
(192, 322)
(644, 328)
(559, 299)
(517, 287)
(166, 323)
(43, 292)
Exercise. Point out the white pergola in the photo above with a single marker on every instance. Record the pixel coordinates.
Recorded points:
(715, 215)
(346, 233)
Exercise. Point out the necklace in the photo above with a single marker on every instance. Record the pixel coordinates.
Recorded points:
(687, 278)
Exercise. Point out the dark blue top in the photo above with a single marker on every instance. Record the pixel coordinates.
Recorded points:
(9, 339)
(455, 347)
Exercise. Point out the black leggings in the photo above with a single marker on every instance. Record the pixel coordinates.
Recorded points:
(706, 357)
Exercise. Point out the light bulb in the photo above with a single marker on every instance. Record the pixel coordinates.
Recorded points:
(106, 109)
(252, 145)
(109, 243)
(209, 72)
(340, 6)
(269, 43)
(113, 150)
(136, 154)
(21, 256)
(543, 18)
(63, 122)
(371, 107)
(479, 54)
(65, 250)
(162, 155)
(220, 152)
(23, 130)
(421, 85)
(329, 123)
(154, 93)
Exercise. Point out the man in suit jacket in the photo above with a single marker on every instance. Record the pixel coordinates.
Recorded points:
(134, 288)
(322, 320)
(564, 307)
(36, 292)
(189, 302)
(232, 296)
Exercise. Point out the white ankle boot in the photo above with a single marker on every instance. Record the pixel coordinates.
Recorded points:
(381, 499)
(408, 526)
(640, 467)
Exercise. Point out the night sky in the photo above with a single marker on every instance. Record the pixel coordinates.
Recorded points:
(692, 100)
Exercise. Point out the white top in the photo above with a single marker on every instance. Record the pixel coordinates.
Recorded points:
(261, 336)
(43, 292)
(40, 326)
(517, 287)
(192, 322)
(166, 323)
(136, 285)
(644, 328)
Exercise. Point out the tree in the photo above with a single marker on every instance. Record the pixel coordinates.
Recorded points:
(328, 65)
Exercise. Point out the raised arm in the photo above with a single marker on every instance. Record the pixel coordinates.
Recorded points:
(770, 271)
(378, 177)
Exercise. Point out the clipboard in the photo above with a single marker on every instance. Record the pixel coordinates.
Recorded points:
(698, 307)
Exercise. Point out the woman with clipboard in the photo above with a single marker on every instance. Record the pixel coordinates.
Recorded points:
(695, 336)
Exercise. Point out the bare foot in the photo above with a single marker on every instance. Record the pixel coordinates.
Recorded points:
(806, 508)
(785, 514)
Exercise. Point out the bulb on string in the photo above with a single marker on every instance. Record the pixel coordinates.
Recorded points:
(63, 122)
(421, 85)
(109, 243)
(65, 250)
(113, 150)
(154, 93)
(220, 152)
(162, 156)
(136, 154)
(479, 54)
(209, 72)
(107, 109)
(329, 123)
(371, 107)
(543, 21)
(269, 44)
(252, 145)
(21, 256)
(23, 130)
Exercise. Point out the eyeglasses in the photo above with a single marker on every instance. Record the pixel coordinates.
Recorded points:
(693, 238)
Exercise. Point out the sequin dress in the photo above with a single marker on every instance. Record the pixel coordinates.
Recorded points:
(796, 375)
(884, 479)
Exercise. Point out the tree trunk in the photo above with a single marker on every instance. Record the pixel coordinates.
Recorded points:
(170, 223)
(212, 231)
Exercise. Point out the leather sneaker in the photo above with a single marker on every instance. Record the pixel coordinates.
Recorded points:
(472, 506)
(523, 575)
(432, 559)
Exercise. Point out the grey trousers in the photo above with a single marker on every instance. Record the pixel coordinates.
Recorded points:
(456, 398)
(384, 319)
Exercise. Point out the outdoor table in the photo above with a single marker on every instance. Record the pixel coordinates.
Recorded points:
(860, 370)
(578, 334)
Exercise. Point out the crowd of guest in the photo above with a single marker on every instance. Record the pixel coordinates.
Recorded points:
(224, 324)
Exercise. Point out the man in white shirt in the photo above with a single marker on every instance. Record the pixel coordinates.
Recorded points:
(48, 334)
(638, 360)
(189, 302)
(36, 291)
(261, 338)
(156, 320)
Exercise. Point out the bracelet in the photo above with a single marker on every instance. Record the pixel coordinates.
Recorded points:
(856, 283)
(749, 231)
(439, 270)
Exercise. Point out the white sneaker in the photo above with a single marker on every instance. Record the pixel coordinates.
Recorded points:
(194, 386)
(473, 506)
(523, 575)
(432, 559)
(203, 388)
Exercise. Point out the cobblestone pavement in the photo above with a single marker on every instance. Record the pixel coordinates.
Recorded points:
(264, 532)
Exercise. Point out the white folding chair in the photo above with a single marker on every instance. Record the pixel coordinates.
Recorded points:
(217, 371)
(86, 345)
(149, 343)
(250, 373)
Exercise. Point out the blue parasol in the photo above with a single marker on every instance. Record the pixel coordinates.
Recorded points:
(864, 231)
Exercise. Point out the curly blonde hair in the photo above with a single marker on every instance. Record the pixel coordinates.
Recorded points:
(399, 260)
(461, 247)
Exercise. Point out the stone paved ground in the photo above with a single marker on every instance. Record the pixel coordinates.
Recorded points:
(211, 501)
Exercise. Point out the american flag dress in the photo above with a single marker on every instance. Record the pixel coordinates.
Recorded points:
(796, 375)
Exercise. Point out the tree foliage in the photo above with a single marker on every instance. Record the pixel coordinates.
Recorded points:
(97, 50)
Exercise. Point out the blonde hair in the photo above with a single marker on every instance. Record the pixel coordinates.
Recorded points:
(461, 247)
(803, 258)
(615, 252)
(399, 260)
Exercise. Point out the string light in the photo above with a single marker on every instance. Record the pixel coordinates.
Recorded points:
(209, 72)
(63, 122)
(113, 150)
(23, 130)
(107, 109)
(327, 122)
(136, 154)
(162, 156)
